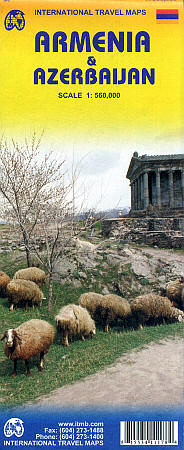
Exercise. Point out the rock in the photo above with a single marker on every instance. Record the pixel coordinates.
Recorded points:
(113, 259)
(76, 283)
(141, 268)
(82, 275)
(105, 290)
(105, 265)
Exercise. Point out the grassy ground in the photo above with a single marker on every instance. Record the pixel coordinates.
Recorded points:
(65, 365)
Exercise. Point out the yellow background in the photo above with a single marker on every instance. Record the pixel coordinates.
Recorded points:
(141, 109)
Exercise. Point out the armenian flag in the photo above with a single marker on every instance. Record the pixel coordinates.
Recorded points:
(167, 15)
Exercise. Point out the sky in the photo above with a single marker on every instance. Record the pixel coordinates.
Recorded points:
(102, 165)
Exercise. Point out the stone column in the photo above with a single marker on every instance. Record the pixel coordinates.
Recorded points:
(146, 190)
(171, 189)
(132, 197)
(182, 185)
(139, 192)
(142, 191)
(158, 192)
(136, 194)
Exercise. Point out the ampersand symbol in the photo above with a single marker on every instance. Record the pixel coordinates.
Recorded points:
(91, 61)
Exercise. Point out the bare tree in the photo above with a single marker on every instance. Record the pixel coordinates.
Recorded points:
(53, 231)
(41, 200)
(25, 181)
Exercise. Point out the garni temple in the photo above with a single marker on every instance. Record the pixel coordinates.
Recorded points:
(156, 181)
(157, 203)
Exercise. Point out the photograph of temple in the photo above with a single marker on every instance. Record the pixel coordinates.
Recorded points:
(156, 216)
(157, 182)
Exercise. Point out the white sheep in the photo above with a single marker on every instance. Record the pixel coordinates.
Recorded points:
(29, 339)
(85, 246)
(24, 291)
(73, 320)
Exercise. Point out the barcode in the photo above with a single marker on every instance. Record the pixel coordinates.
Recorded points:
(149, 432)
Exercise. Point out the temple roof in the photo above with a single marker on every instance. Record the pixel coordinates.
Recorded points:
(140, 161)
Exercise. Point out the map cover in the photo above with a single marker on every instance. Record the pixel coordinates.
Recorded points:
(92, 198)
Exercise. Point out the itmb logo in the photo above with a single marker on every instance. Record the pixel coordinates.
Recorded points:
(14, 19)
(14, 426)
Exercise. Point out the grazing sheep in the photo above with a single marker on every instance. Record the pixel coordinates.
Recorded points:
(105, 308)
(74, 320)
(92, 302)
(4, 280)
(174, 291)
(31, 274)
(177, 314)
(182, 297)
(154, 309)
(114, 307)
(24, 291)
(29, 339)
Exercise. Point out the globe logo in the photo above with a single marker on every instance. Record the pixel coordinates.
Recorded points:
(14, 426)
(14, 19)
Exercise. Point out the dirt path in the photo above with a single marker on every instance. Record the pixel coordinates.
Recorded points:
(168, 255)
(151, 376)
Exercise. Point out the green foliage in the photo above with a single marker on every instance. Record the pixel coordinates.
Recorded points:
(98, 225)
(76, 275)
(144, 281)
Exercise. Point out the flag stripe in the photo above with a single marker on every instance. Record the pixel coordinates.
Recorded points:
(167, 11)
(167, 21)
(167, 16)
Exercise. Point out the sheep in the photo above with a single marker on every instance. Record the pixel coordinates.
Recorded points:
(105, 308)
(85, 246)
(31, 274)
(4, 280)
(74, 320)
(91, 301)
(25, 291)
(114, 307)
(174, 291)
(27, 340)
(153, 308)
(182, 297)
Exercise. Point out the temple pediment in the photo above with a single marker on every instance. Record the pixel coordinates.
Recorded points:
(156, 181)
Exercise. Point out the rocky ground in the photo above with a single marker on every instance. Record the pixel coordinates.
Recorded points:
(108, 265)
(127, 270)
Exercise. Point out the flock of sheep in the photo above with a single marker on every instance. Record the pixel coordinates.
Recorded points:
(35, 336)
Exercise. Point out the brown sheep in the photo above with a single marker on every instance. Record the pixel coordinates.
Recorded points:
(28, 340)
(153, 308)
(174, 292)
(91, 301)
(24, 291)
(4, 280)
(74, 320)
(105, 308)
(114, 307)
(31, 274)
(182, 297)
